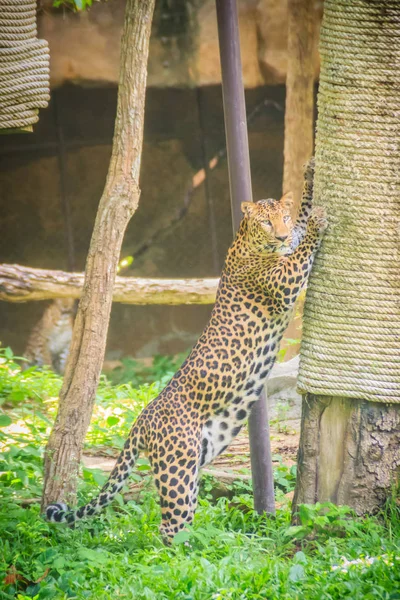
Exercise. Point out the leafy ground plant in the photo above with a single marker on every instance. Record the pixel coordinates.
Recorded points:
(137, 373)
(231, 552)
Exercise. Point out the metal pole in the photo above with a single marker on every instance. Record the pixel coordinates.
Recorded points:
(240, 189)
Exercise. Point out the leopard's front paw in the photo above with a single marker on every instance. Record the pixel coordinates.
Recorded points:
(318, 218)
(308, 169)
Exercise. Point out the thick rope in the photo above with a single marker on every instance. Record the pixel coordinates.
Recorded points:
(351, 332)
(24, 65)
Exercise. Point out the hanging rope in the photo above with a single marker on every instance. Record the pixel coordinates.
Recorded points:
(351, 336)
(24, 65)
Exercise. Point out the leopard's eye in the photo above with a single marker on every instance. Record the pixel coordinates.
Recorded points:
(286, 219)
(267, 223)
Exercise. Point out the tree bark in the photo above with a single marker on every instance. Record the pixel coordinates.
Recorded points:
(299, 109)
(349, 452)
(23, 284)
(118, 203)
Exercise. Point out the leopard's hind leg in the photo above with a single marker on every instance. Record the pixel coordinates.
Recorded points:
(175, 474)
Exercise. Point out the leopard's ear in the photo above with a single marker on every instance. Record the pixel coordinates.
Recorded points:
(287, 200)
(249, 209)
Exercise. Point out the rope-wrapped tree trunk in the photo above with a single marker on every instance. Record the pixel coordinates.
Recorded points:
(117, 205)
(24, 66)
(350, 355)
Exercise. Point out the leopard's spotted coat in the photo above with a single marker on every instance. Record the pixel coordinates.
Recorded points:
(50, 339)
(207, 401)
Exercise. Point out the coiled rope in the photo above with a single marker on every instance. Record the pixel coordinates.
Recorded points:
(24, 65)
(351, 328)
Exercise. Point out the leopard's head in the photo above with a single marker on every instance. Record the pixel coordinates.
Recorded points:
(269, 224)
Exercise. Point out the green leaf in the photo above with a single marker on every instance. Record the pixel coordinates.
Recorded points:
(300, 557)
(8, 353)
(305, 514)
(119, 499)
(59, 562)
(5, 421)
(144, 468)
(92, 556)
(99, 477)
(125, 262)
(112, 421)
(296, 531)
(181, 538)
(296, 573)
(17, 395)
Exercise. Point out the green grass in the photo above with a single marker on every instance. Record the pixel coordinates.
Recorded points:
(232, 553)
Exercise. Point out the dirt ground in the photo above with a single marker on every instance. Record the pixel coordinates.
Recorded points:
(236, 459)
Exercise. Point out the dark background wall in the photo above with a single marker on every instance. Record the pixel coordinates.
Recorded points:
(61, 169)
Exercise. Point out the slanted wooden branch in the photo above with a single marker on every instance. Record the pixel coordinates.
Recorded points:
(22, 284)
(118, 203)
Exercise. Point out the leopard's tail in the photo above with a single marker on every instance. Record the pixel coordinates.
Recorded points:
(61, 513)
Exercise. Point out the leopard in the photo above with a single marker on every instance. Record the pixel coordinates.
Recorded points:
(49, 341)
(206, 403)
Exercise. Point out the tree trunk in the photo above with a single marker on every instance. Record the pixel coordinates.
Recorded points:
(349, 368)
(299, 109)
(22, 284)
(349, 452)
(118, 203)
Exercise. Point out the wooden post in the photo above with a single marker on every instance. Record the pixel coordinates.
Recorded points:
(240, 191)
(299, 109)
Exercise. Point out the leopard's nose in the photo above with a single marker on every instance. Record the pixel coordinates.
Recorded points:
(281, 238)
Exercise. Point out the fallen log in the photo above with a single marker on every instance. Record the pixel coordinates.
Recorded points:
(22, 284)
